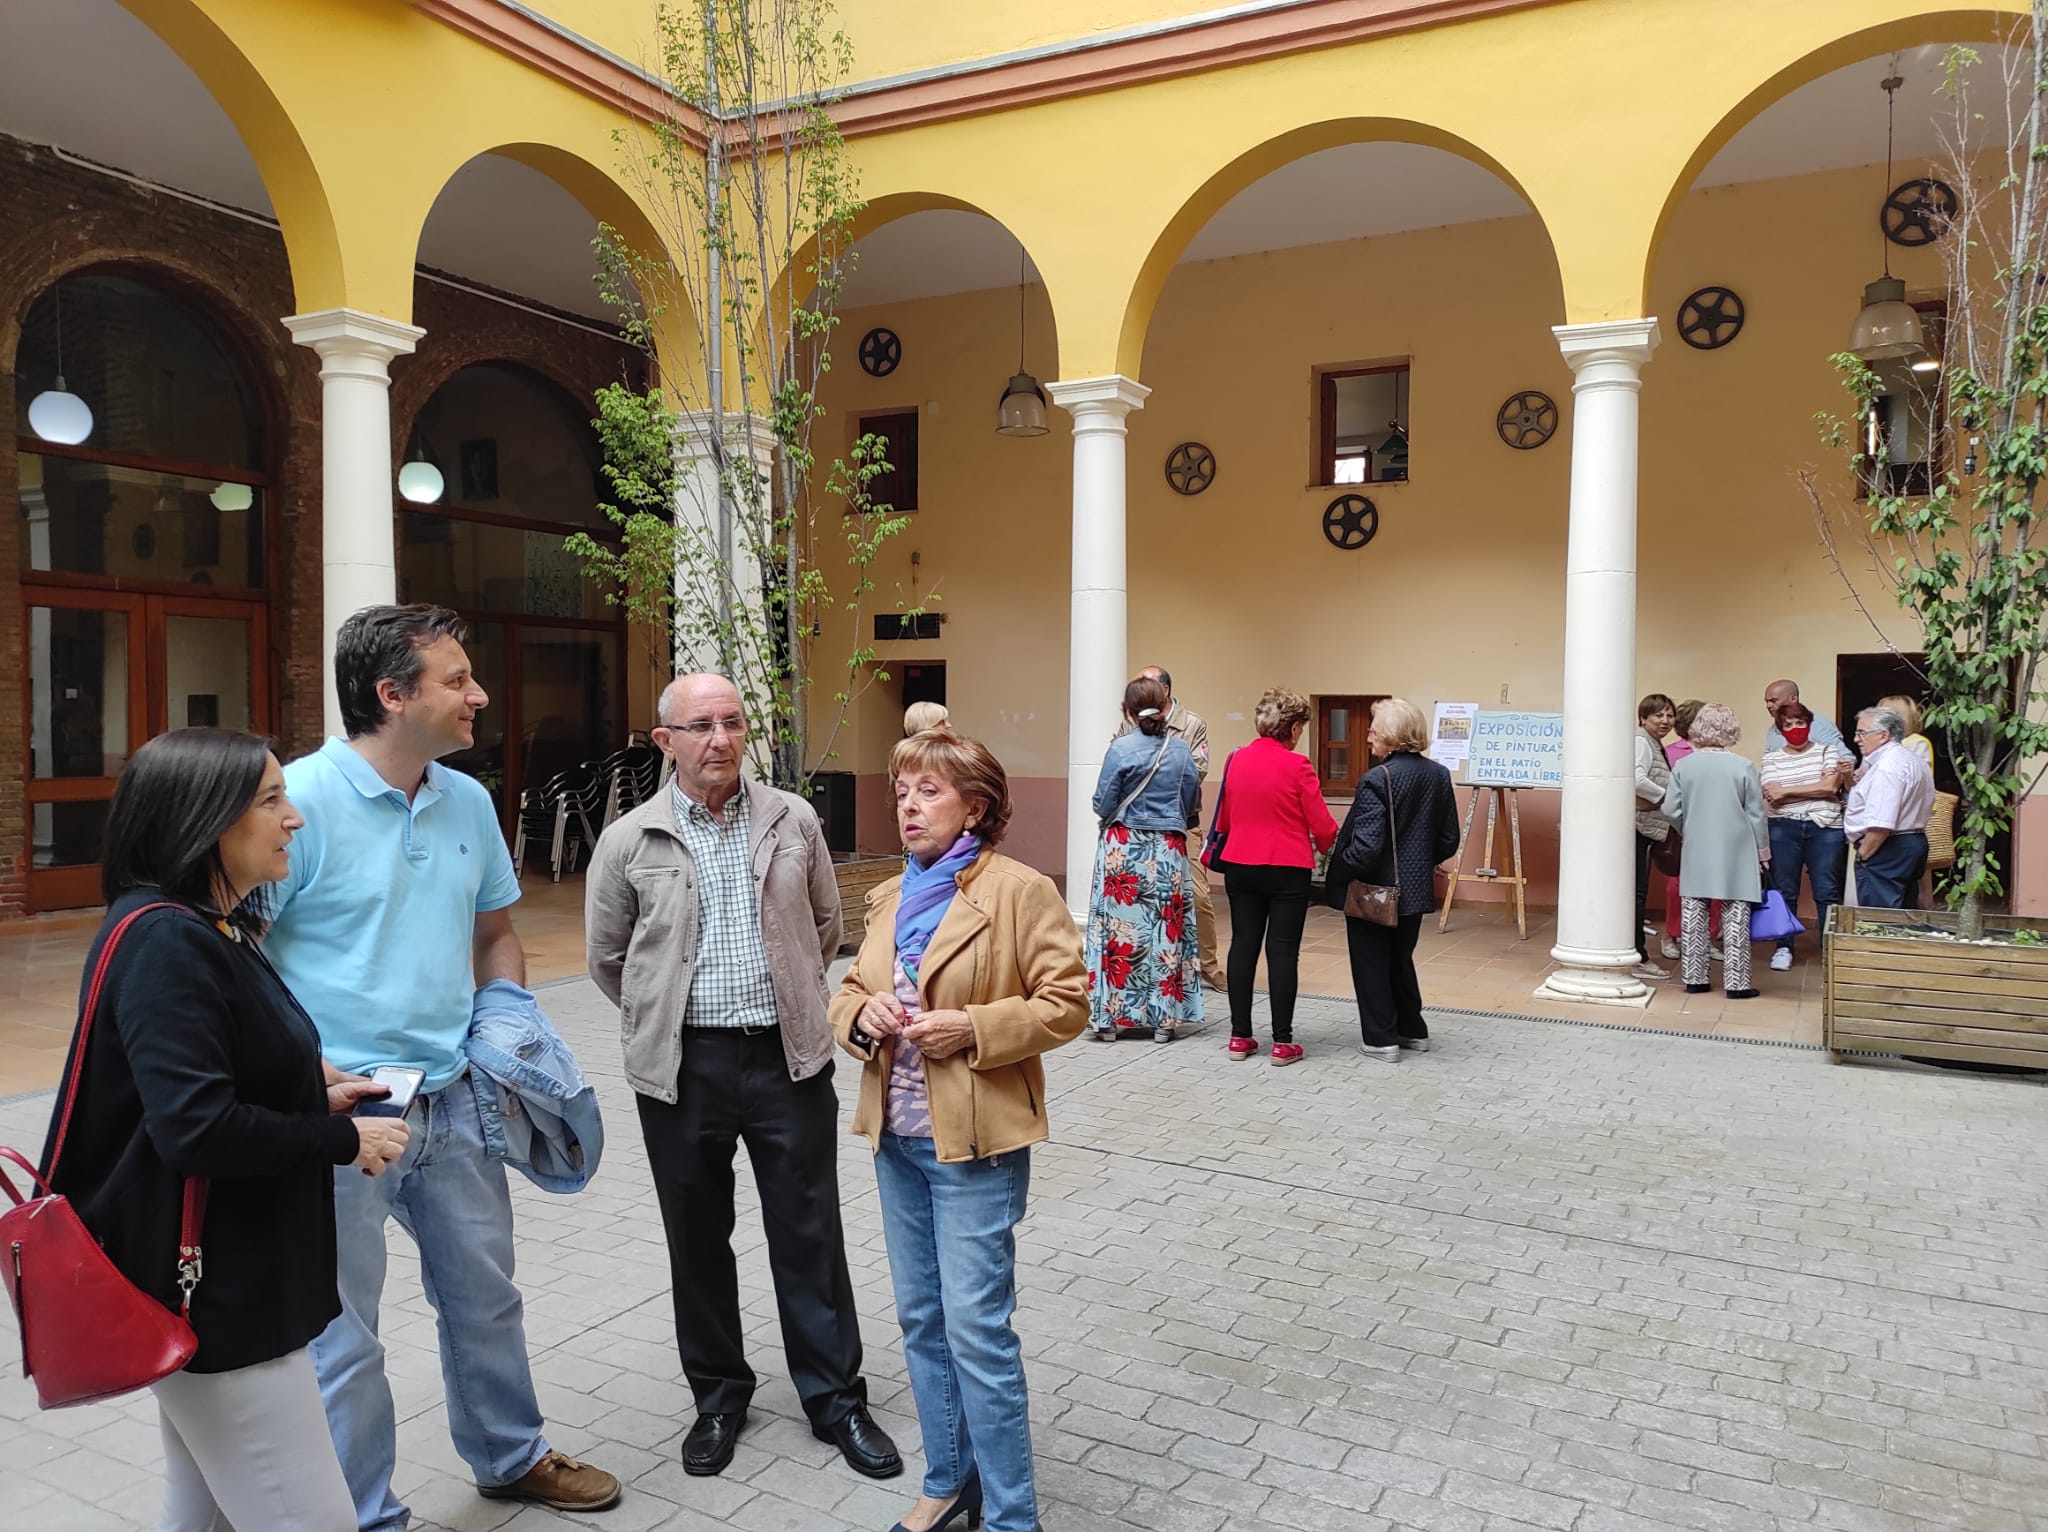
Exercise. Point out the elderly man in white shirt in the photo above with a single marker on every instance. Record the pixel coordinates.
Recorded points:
(1886, 817)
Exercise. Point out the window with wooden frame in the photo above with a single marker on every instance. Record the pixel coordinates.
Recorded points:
(1361, 423)
(1909, 419)
(896, 488)
(1341, 754)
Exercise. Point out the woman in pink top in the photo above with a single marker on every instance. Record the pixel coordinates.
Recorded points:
(1272, 820)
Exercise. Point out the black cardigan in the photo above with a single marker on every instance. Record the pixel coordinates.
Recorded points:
(202, 1064)
(1426, 814)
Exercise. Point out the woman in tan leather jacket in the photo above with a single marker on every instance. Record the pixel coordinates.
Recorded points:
(971, 969)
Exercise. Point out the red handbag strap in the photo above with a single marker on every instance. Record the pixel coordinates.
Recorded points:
(193, 1215)
(85, 1020)
(35, 1181)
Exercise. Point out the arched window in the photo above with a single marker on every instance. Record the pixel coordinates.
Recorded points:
(167, 484)
(144, 473)
(518, 470)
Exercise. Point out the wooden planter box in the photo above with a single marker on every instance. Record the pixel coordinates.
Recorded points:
(856, 877)
(1986, 1003)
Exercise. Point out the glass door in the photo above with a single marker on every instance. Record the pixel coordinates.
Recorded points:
(107, 671)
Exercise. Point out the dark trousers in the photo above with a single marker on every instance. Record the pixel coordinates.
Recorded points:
(734, 1086)
(1644, 846)
(1799, 845)
(1891, 879)
(1383, 977)
(1269, 906)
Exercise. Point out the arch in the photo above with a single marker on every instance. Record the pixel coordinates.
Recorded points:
(1261, 161)
(1975, 25)
(297, 195)
(608, 202)
(884, 210)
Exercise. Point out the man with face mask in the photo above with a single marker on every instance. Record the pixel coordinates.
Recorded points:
(1803, 782)
(1780, 695)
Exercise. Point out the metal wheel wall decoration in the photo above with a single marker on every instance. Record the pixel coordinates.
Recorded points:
(1350, 522)
(1710, 318)
(880, 351)
(1919, 212)
(1190, 468)
(1527, 420)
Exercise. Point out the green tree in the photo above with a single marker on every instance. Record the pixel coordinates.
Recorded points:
(1960, 545)
(721, 506)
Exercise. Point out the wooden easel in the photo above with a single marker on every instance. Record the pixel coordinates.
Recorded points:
(1485, 872)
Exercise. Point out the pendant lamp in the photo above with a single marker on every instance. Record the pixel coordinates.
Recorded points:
(1022, 410)
(56, 414)
(1889, 326)
(419, 480)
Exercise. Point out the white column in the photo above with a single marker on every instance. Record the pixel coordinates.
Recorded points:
(358, 557)
(1596, 901)
(718, 590)
(1098, 662)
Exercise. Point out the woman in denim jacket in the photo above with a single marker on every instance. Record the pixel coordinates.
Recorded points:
(1143, 955)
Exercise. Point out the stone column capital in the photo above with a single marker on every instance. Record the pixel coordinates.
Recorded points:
(353, 343)
(695, 428)
(1611, 351)
(1098, 404)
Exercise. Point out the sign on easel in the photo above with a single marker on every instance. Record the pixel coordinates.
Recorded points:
(1510, 752)
(1517, 750)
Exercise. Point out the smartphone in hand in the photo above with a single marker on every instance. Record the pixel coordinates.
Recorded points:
(402, 1080)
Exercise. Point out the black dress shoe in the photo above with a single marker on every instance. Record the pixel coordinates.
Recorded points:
(865, 1445)
(709, 1446)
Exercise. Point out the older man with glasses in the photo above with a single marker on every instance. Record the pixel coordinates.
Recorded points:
(1886, 817)
(710, 914)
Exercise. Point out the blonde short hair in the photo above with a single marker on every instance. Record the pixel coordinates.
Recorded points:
(920, 716)
(1399, 724)
(966, 763)
(1279, 710)
(1908, 711)
(1717, 727)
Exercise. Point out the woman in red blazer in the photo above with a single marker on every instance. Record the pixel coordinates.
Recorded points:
(1273, 821)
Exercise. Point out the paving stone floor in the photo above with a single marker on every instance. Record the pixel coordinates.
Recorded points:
(1547, 1276)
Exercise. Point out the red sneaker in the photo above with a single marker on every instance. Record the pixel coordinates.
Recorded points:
(1285, 1054)
(1243, 1047)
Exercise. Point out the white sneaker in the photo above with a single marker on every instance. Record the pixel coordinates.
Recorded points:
(1714, 954)
(1670, 949)
(1781, 960)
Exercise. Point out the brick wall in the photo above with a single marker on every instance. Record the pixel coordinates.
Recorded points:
(57, 218)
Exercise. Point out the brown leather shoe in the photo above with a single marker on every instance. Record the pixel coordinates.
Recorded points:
(561, 1484)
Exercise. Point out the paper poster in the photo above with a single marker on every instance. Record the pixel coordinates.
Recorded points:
(1450, 733)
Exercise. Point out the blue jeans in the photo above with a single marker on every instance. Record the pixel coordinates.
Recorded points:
(951, 1231)
(452, 1199)
(1890, 880)
(1822, 853)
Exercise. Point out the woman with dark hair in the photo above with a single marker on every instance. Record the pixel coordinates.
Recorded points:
(970, 971)
(1143, 952)
(201, 1065)
(1655, 715)
(1271, 814)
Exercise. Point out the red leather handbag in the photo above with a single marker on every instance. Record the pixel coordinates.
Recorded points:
(87, 1332)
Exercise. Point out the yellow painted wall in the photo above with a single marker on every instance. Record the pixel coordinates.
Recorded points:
(1462, 591)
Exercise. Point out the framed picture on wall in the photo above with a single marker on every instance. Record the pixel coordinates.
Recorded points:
(479, 461)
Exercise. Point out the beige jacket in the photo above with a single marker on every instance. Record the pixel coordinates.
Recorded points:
(640, 930)
(1008, 955)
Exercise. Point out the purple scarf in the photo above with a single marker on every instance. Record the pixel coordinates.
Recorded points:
(927, 895)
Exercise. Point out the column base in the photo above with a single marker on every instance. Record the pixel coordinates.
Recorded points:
(1594, 978)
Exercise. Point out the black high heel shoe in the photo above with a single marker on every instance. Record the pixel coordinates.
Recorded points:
(968, 1505)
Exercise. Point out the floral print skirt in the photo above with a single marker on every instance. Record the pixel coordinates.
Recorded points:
(1144, 962)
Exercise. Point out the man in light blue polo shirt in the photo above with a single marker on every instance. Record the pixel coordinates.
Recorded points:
(397, 910)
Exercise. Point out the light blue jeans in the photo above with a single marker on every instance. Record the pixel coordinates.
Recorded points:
(951, 1231)
(452, 1199)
